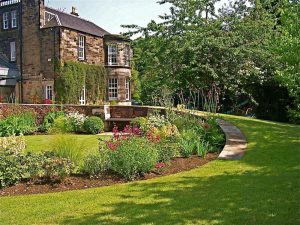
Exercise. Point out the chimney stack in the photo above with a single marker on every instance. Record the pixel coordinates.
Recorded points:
(74, 11)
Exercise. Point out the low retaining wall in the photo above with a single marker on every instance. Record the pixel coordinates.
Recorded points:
(42, 110)
(110, 114)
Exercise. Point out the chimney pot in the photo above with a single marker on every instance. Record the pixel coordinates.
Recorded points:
(74, 11)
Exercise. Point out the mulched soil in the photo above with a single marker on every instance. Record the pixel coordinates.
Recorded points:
(79, 182)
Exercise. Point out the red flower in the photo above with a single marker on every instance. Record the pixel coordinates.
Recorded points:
(206, 126)
(48, 101)
(160, 165)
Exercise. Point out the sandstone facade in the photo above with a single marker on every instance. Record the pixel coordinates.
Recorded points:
(44, 35)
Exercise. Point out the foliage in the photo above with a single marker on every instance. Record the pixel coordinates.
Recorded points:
(61, 124)
(202, 148)
(73, 76)
(94, 164)
(167, 150)
(188, 141)
(49, 120)
(93, 125)
(23, 123)
(157, 121)
(16, 165)
(244, 47)
(66, 146)
(56, 168)
(169, 132)
(140, 122)
(286, 47)
(11, 160)
(13, 144)
(135, 156)
(77, 120)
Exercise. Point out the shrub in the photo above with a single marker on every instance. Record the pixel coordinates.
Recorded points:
(12, 167)
(95, 164)
(188, 141)
(24, 123)
(76, 120)
(62, 125)
(66, 146)
(167, 150)
(56, 168)
(13, 144)
(140, 122)
(294, 115)
(157, 121)
(49, 120)
(133, 157)
(93, 125)
(15, 165)
(169, 131)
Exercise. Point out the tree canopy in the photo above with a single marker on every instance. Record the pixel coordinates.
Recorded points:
(243, 47)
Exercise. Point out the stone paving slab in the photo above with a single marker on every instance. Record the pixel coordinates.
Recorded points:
(236, 142)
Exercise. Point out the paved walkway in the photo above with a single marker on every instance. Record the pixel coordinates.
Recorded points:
(236, 143)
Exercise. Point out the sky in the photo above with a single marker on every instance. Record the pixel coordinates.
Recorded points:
(110, 14)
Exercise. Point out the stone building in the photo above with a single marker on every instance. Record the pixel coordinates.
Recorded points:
(32, 36)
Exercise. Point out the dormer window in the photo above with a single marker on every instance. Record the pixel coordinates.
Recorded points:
(81, 55)
(14, 19)
(5, 20)
(112, 54)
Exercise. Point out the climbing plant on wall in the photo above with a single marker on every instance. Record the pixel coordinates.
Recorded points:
(71, 77)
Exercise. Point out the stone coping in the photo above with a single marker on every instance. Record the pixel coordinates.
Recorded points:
(236, 142)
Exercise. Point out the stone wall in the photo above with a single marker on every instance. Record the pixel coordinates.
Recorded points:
(32, 85)
(94, 53)
(42, 110)
(50, 51)
(7, 36)
(116, 112)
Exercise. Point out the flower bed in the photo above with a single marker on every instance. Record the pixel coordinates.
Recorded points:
(147, 148)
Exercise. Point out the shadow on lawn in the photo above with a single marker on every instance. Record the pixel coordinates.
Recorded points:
(263, 193)
(250, 198)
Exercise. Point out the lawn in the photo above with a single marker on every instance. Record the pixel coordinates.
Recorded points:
(38, 143)
(262, 188)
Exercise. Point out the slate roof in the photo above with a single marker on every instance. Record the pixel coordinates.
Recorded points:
(74, 22)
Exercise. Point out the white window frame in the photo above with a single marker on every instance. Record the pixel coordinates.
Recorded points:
(81, 47)
(82, 97)
(14, 19)
(5, 20)
(127, 55)
(127, 88)
(112, 53)
(49, 92)
(13, 51)
(113, 88)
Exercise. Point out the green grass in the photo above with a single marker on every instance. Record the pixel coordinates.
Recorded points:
(38, 143)
(262, 188)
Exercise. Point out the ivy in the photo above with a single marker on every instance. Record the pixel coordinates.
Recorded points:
(71, 77)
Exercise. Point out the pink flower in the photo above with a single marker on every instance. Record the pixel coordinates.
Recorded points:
(160, 165)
